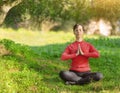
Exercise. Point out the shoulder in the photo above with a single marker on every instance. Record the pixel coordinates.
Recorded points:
(87, 43)
(71, 44)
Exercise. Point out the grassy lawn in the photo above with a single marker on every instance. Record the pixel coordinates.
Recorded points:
(33, 63)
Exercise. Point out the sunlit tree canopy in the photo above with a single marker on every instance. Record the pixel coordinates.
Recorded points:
(109, 9)
(38, 11)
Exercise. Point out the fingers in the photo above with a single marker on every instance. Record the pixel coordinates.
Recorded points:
(80, 50)
(79, 46)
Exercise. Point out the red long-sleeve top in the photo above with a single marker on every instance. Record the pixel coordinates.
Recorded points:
(80, 63)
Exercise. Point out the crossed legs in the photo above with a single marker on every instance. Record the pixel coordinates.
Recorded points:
(80, 78)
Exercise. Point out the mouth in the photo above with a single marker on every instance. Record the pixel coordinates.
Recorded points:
(78, 34)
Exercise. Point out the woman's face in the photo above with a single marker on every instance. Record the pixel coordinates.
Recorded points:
(79, 31)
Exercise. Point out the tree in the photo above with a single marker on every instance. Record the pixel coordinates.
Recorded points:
(37, 12)
(5, 6)
(108, 9)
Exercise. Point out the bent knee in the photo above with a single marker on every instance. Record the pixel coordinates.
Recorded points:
(69, 76)
(64, 74)
(98, 76)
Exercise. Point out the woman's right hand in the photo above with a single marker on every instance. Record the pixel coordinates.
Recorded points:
(79, 51)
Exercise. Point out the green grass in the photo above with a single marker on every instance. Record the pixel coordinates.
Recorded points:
(33, 64)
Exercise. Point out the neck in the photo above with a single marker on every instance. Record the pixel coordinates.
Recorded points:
(79, 39)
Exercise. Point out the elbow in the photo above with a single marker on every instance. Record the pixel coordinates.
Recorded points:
(62, 58)
(97, 55)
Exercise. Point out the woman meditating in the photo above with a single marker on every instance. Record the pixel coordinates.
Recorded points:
(79, 52)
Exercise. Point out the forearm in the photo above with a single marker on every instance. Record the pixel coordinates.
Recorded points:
(67, 56)
(93, 54)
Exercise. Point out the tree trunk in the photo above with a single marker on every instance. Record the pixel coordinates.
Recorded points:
(4, 9)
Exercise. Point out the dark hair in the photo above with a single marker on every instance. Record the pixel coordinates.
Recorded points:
(76, 25)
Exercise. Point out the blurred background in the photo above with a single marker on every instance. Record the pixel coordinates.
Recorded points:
(101, 17)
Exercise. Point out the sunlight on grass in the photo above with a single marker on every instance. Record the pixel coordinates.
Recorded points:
(35, 38)
(34, 68)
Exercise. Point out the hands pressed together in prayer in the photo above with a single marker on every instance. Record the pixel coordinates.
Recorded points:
(79, 51)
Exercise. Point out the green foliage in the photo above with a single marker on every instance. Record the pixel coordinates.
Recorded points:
(32, 13)
(6, 2)
(79, 10)
(17, 49)
(20, 70)
(35, 12)
(107, 9)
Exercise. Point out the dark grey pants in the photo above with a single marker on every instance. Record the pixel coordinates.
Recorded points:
(80, 78)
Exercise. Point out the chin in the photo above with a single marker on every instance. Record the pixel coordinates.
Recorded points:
(79, 36)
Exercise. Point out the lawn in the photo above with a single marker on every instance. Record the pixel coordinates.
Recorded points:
(32, 62)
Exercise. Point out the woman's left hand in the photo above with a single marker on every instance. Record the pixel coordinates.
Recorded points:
(80, 50)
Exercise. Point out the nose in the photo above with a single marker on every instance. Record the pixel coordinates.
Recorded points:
(79, 31)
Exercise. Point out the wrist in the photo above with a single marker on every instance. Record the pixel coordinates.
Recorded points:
(82, 53)
(77, 54)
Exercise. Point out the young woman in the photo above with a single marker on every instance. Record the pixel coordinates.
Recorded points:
(79, 52)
